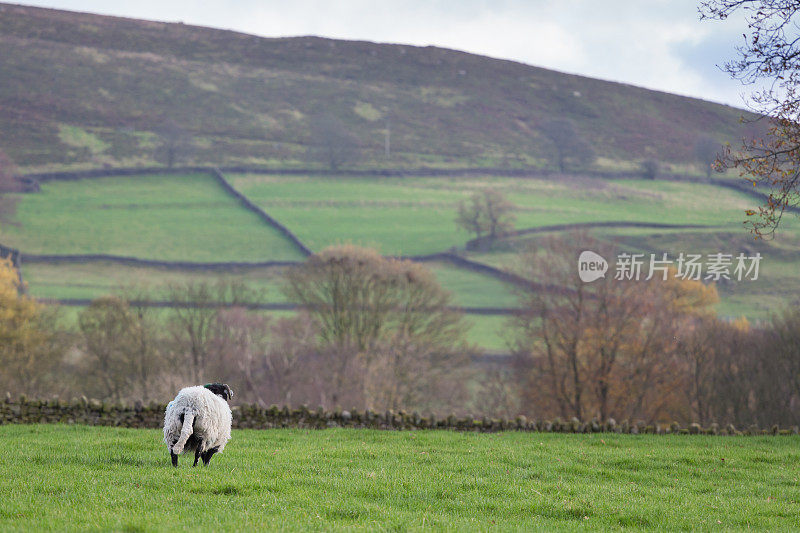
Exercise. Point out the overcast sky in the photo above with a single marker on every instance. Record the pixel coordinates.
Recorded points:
(659, 44)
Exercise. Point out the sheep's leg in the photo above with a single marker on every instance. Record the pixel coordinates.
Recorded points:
(207, 455)
(174, 459)
(197, 452)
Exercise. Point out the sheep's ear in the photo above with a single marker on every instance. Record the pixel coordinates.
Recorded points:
(230, 392)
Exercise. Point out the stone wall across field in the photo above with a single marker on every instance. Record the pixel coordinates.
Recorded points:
(96, 413)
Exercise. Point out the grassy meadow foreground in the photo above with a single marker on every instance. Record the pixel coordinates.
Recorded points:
(91, 478)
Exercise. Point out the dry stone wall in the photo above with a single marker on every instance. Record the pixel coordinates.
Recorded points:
(97, 413)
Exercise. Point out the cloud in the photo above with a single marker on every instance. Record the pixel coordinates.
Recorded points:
(479, 29)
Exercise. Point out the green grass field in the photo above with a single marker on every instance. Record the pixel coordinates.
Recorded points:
(187, 218)
(81, 478)
(413, 216)
(95, 279)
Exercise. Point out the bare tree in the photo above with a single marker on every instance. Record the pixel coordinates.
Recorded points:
(192, 320)
(488, 213)
(105, 326)
(718, 380)
(331, 142)
(605, 348)
(769, 58)
(241, 340)
(270, 359)
(498, 394)
(293, 341)
(744, 375)
(390, 318)
(706, 150)
(469, 215)
(121, 350)
(650, 169)
(568, 145)
(778, 371)
(176, 144)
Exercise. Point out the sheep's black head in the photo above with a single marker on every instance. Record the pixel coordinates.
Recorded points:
(220, 389)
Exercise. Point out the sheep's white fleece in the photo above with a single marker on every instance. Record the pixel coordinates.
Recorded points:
(206, 415)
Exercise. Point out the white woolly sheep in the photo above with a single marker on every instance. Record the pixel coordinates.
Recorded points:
(199, 420)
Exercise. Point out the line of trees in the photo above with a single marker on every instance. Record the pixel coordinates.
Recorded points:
(380, 333)
(374, 333)
(646, 350)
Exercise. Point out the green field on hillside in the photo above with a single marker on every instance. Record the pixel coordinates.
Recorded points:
(90, 478)
(190, 218)
(168, 217)
(412, 216)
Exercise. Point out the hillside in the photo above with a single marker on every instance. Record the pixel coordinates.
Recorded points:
(83, 90)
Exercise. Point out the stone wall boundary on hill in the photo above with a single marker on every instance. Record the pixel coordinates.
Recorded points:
(250, 206)
(12, 253)
(217, 174)
(489, 270)
(529, 172)
(151, 416)
(260, 306)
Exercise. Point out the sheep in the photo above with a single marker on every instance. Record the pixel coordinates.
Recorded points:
(198, 419)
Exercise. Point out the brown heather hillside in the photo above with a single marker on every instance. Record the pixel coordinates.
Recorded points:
(87, 90)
